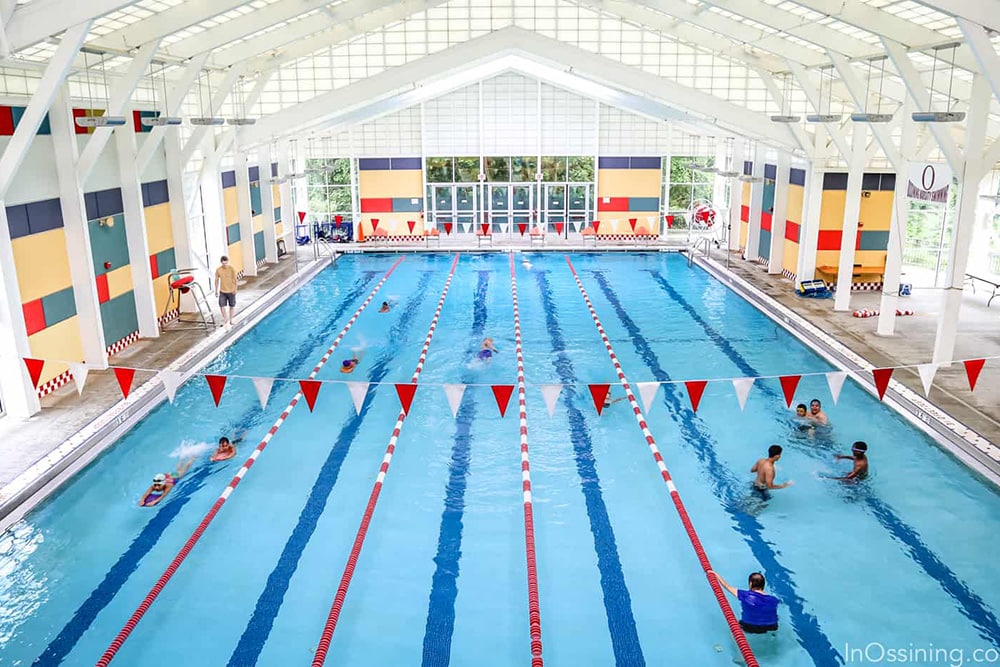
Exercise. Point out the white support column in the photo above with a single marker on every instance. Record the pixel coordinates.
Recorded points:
(809, 233)
(897, 227)
(241, 164)
(779, 214)
(719, 199)
(267, 203)
(356, 188)
(179, 224)
(288, 217)
(965, 220)
(74, 212)
(135, 234)
(756, 204)
(214, 217)
(852, 210)
(18, 396)
(735, 193)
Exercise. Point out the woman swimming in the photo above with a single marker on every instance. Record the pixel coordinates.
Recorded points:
(163, 483)
(348, 365)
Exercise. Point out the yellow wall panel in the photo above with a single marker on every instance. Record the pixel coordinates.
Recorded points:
(229, 200)
(831, 212)
(161, 292)
(745, 198)
(790, 258)
(876, 211)
(384, 183)
(628, 182)
(744, 233)
(235, 254)
(827, 257)
(42, 264)
(869, 257)
(795, 195)
(258, 223)
(276, 195)
(120, 281)
(279, 229)
(59, 341)
(159, 233)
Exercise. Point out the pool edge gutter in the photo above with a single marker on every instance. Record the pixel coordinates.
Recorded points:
(954, 437)
(45, 476)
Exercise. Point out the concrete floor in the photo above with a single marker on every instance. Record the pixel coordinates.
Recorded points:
(913, 342)
(23, 442)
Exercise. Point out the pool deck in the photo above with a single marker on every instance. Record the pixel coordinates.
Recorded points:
(27, 443)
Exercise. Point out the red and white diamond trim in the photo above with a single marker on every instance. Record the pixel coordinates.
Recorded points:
(115, 348)
(415, 238)
(625, 237)
(788, 274)
(169, 316)
(50, 386)
(863, 287)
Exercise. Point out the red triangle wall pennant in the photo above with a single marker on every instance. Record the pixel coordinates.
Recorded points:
(632, 222)
(788, 385)
(216, 383)
(521, 227)
(596, 224)
(882, 376)
(406, 392)
(972, 369)
(559, 227)
(695, 389)
(302, 216)
(486, 228)
(374, 225)
(502, 393)
(411, 224)
(34, 367)
(124, 377)
(447, 228)
(599, 392)
(310, 389)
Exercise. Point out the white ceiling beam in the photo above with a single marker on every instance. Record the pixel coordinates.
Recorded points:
(164, 23)
(820, 35)
(812, 94)
(229, 136)
(853, 83)
(978, 11)
(711, 109)
(219, 96)
(676, 18)
(49, 86)
(982, 50)
(38, 20)
(796, 131)
(919, 94)
(118, 104)
(369, 22)
(172, 106)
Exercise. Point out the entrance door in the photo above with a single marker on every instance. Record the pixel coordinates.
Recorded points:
(466, 206)
(443, 205)
(555, 212)
(578, 208)
(522, 207)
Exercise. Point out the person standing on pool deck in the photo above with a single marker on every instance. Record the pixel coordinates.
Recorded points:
(765, 470)
(225, 289)
(859, 454)
(760, 610)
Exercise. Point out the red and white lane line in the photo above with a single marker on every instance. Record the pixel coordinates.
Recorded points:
(720, 596)
(534, 613)
(359, 539)
(109, 654)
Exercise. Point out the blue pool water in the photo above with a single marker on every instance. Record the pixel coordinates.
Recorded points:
(899, 562)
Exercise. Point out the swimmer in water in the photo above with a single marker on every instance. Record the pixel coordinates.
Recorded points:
(816, 413)
(385, 307)
(608, 401)
(163, 483)
(227, 448)
(765, 471)
(348, 365)
(802, 420)
(486, 350)
(859, 454)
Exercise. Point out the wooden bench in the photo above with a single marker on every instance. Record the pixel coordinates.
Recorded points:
(991, 282)
(856, 272)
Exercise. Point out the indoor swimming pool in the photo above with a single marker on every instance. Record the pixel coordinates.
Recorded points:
(893, 562)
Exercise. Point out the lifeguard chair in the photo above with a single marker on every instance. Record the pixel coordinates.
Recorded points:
(181, 281)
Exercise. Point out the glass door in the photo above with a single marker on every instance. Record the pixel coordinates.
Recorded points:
(499, 211)
(442, 206)
(466, 206)
(555, 213)
(522, 208)
(578, 206)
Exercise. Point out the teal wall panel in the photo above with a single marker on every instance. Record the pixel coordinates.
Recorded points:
(258, 245)
(58, 306)
(166, 261)
(108, 244)
(874, 241)
(119, 318)
(255, 204)
(233, 233)
(765, 244)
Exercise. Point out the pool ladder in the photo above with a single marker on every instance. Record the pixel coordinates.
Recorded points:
(704, 243)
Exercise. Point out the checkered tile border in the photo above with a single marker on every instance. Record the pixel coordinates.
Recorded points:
(261, 262)
(241, 275)
(863, 287)
(761, 260)
(624, 237)
(169, 316)
(395, 239)
(58, 381)
(788, 274)
(115, 348)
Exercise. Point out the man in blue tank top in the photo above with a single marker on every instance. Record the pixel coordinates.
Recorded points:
(760, 610)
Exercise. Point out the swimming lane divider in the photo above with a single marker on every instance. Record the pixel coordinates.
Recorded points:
(158, 587)
(720, 597)
(359, 540)
(534, 611)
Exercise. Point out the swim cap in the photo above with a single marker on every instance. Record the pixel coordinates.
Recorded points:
(346, 363)
(160, 479)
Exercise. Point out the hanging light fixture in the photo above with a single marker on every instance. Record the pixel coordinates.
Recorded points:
(293, 156)
(98, 121)
(206, 120)
(820, 116)
(704, 166)
(877, 117)
(786, 115)
(750, 178)
(948, 116)
(240, 107)
(727, 170)
(162, 120)
(272, 153)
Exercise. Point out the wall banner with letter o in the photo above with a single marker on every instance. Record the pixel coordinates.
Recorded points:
(929, 181)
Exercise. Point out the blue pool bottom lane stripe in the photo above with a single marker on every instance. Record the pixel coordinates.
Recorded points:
(617, 601)
(730, 490)
(119, 573)
(258, 629)
(970, 604)
(444, 587)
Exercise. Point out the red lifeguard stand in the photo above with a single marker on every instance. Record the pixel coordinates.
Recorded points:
(182, 281)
